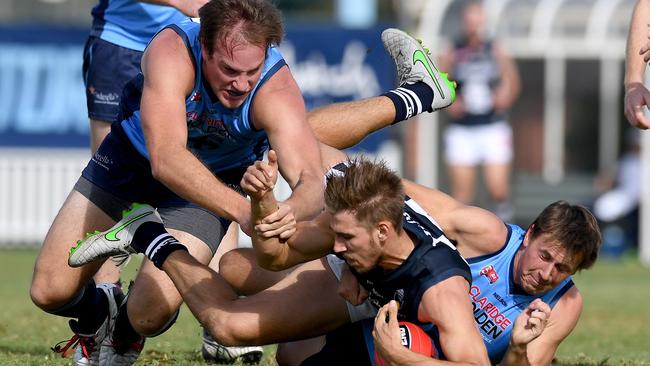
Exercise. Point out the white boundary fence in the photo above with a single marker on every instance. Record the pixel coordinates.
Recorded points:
(33, 185)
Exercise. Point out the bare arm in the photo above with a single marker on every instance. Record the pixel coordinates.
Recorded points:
(310, 240)
(636, 94)
(187, 7)
(279, 109)
(510, 86)
(474, 230)
(541, 349)
(168, 79)
(445, 305)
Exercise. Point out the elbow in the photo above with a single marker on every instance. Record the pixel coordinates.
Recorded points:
(159, 166)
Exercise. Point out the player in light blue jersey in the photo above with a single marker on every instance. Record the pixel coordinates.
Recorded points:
(209, 101)
(121, 30)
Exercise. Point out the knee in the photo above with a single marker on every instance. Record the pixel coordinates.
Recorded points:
(151, 321)
(228, 266)
(47, 296)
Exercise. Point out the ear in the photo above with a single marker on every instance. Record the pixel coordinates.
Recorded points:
(528, 235)
(382, 230)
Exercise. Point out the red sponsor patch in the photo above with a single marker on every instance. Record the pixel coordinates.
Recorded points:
(490, 273)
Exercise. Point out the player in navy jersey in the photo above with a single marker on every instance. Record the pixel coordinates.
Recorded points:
(524, 302)
(209, 100)
(479, 134)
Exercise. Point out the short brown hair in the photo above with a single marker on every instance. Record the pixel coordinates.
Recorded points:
(257, 21)
(370, 190)
(574, 227)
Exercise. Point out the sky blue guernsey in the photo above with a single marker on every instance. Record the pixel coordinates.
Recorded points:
(129, 23)
(221, 138)
(496, 300)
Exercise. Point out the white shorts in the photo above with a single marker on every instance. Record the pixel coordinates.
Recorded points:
(474, 145)
(358, 312)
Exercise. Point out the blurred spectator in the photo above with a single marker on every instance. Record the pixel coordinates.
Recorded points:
(488, 83)
(638, 53)
(617, 206)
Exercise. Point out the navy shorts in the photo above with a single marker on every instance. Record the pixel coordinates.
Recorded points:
(346, 345)
(106, 69)
(118, 175)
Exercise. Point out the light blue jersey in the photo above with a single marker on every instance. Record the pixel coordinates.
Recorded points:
(221, 138)
(130, 23)
(496, 300)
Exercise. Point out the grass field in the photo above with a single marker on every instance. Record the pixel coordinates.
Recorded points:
(614, 329)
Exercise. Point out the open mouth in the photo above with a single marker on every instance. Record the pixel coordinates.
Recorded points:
(234, 93)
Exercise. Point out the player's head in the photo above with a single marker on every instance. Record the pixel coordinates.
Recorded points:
(367, 205)
(562, 240)
(474, 19)
(235, 35)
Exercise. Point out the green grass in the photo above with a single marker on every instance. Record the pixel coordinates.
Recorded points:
(27, 333)
(614, 328)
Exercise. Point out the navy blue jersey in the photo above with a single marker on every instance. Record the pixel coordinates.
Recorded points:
(433, 260)
(477, 73)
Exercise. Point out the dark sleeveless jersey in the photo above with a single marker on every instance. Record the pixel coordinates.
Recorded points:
(433, 260)
(477, 73)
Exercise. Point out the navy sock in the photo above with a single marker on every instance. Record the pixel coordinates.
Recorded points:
(152, 239)
(123, 331)
(410, 100)
(90, 306)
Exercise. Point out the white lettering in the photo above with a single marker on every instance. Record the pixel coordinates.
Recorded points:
(42, 89)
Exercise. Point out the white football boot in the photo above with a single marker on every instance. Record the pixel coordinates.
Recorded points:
(213, 352)
(115, 241)
(414, 64)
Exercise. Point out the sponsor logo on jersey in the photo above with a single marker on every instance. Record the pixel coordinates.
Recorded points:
(490, 273)
(487, 315)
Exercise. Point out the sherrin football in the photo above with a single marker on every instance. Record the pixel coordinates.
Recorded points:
(413, 338)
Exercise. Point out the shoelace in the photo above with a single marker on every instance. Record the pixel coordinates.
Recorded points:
(87, 345)
(121, 260)
(121, 347)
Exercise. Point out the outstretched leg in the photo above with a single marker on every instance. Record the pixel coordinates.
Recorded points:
(423, 88)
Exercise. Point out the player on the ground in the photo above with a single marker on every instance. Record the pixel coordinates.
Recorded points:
(524, 300)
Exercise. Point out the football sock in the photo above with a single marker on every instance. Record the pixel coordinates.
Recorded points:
(410, 100)
(155, 242)
(90, 306)
(123, 332)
